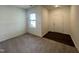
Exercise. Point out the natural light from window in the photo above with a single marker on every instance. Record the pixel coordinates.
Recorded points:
(33, 20)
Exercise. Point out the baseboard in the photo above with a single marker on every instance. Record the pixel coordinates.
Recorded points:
(34, 35)
(13, 37)
(75, 43)
(44, 34)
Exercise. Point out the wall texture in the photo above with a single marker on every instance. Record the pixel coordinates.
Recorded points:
(75, 25)
(44, 21)
(60, 20)
(41, 21)
(12, 22)
(37, 30)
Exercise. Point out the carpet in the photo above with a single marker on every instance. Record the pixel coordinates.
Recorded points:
(60, 37)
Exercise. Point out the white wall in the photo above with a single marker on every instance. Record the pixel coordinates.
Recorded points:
(60, 20)
(37, 30)
(57, 20)
(44, 21)
(75, 25)
(12, 22)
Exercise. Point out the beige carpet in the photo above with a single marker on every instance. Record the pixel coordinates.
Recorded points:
(32, 44)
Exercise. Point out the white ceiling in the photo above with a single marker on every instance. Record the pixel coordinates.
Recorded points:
(29, 6)
(53, 6)
(23, 6)
(46, 6)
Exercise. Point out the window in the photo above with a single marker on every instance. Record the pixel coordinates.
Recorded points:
(33, 20)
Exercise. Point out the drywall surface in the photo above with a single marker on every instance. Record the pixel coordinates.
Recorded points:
(44, 21)
(75, 25)
(60, 20)
(12, 22)
(37, 30)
